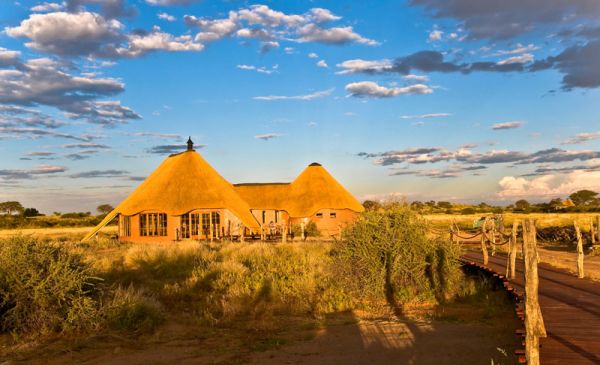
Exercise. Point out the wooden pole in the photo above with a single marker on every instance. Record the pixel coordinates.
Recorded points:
(534, 322)
(493, 240)
(598, 228)
(513, 249)
(483, 245)
(210, 225)
(592, 231)
(242, 229)
(302, 228)
(580, 273)
(284, 233)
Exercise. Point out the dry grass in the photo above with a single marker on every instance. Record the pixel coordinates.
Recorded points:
(542, 219)
(57, 233)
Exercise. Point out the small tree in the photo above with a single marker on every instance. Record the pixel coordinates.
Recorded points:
(522, 205)
(31, 212)
(388, 254)
(11, 207)
(104, 208)
(583, 197)
(371, 205)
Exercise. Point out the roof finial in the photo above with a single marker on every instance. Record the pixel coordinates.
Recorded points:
(190, 144)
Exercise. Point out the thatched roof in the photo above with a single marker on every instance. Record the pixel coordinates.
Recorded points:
(312, 190)
(183, 182)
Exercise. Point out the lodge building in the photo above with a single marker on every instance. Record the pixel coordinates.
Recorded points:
(186, 198)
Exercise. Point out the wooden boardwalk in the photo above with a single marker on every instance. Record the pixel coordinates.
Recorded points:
(571, 310)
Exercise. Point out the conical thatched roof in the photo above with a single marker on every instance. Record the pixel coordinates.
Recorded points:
(312, 190)
(183, 182)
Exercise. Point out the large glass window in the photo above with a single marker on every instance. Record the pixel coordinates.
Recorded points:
(189, 225)
(153, 224)
(125, 226)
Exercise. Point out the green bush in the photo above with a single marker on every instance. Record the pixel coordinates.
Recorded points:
(44, 288)
(131, 310)
(387, 254)
(310, 230)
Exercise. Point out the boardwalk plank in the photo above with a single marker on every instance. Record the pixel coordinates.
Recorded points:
(571, 311)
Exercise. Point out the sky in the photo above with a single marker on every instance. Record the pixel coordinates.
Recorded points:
(461, 101)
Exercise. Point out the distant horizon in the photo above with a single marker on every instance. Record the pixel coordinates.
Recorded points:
(423, 99)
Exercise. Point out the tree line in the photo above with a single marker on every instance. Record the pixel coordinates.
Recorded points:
(579, 201)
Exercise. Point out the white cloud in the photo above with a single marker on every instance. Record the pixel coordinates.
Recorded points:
(523, 58)
(508, 125)
(426, 116)
(87, 32)
(313, 55)
(312, 96)
(47, 7)
(263, 70)
(322, 64)
(519, 48)
(169, 2)
(141, 44)
(435, 35)
(269, 25)
(371, 89)
(358, 66)
(336, 35)
(268, 136)
(416, 78)
(583, 137)
(289, 50)
(548, 185)
(167, 17)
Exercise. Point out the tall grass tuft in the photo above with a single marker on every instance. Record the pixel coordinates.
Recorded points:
(387, 254)
(44, 288)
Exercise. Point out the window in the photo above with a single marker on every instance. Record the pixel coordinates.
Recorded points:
(125, 226)
(276, 216)
(216, 223)
(205, 223)
(319, 215)
(264, 216)
(185, 226)
(189, 225)
(332, 215)
(153, 224)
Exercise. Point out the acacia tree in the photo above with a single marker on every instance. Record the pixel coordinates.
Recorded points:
(104, 208)
(583, 197)
(11, 207)
(387, 253)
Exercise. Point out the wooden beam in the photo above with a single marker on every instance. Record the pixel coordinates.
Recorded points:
(580, 273)
(483, 244)
(513, 249)
(534, 322)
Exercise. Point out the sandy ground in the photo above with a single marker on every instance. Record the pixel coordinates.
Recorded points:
(568, 261)
(346, 340)
(54, 232)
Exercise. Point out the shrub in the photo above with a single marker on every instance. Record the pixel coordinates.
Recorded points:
(387, 254)
(44, 288)
(310, 230)
(131, 310)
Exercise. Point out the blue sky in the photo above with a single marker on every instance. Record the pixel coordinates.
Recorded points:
(427, 99)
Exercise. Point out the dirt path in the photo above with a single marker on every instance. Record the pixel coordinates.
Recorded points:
(385, 342)
(568, 261)
(346, 340)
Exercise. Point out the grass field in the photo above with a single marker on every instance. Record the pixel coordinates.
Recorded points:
(542, 219)
(193, 302)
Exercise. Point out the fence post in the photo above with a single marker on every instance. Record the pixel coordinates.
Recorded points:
(593, 231)
(284, 234)
(579, 251)
(493, 238)
(513, 249)
(483, 245)
(534, 322)
(598, 228)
